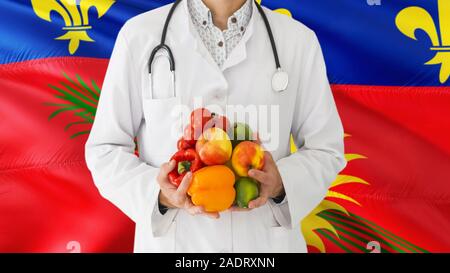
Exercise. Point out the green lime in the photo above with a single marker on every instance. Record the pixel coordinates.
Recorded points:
(246, 191)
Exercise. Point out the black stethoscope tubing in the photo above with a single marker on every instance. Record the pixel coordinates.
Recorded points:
(163, 46)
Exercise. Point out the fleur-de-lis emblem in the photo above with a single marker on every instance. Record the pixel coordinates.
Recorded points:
(75, 16)
(413, 18)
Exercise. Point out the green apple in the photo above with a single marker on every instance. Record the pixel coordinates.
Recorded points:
(246, 191)
(241, 132)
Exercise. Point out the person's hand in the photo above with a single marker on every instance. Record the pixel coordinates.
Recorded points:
(173, 197)
(271, 183)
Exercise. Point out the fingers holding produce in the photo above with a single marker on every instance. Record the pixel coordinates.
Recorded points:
(214, 147)
(212, 187)
(186, 161)
(247, 155)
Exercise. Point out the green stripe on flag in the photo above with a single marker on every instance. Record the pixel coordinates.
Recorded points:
(330, 237)
(356, 236)
(387, 233)
(379, 230)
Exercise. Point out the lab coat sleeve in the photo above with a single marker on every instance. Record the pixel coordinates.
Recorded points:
(122, 177)
(317, 130)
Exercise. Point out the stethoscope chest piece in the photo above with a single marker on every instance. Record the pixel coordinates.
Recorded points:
(280, 80)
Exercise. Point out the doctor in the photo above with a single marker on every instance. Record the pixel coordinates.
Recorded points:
(222, 52)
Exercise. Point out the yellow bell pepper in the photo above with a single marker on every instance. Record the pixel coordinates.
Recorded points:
(213, 188)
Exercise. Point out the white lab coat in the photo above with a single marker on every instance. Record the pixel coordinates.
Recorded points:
(127, 109)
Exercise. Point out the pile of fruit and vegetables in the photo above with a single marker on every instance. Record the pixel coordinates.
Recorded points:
(219, 155)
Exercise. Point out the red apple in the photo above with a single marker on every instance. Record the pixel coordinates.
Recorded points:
(247, 155)
(214, 147)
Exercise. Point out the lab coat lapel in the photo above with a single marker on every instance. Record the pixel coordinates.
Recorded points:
(192, 57)
(179, 27)
(201, 49)
(188, 37)
(183, 28)
(187, 45)
(239, 53)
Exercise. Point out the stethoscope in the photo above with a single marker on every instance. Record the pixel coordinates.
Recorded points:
(280, 78)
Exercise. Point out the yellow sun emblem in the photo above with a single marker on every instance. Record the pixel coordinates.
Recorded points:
(313, 221)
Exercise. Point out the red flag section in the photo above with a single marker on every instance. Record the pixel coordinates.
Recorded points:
(47, 197)
(403, 133)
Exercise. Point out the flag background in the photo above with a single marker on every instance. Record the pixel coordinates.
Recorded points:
(394, 109)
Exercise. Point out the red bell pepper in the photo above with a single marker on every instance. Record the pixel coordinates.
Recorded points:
(186, 160)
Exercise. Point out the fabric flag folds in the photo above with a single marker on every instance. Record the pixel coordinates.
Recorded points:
(388, 63)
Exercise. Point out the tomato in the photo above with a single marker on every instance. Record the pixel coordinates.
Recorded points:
(184, 144)
(199, 118)
(189, 135)
(218, 121)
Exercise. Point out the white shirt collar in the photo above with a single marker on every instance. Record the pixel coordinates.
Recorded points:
(184, 31)
(201, 14)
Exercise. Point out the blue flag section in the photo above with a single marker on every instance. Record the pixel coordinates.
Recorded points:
(361, 40)
(24, 35)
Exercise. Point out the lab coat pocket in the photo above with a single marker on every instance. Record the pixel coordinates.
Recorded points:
(163, 127)
(279, 237)
(166, 243)
(287, 240)
(161, 244)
